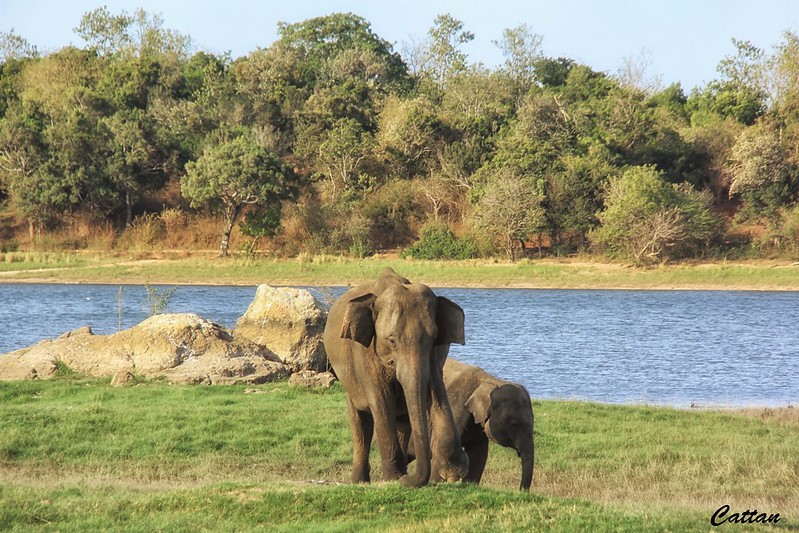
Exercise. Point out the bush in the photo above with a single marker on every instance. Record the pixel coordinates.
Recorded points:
(143, 233)
(784, 235)
(647, 219)
(436, 241)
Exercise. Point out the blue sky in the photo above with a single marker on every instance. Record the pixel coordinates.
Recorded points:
(680, 40)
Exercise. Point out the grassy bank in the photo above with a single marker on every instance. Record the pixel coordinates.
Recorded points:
(329, 270)
(77, 455)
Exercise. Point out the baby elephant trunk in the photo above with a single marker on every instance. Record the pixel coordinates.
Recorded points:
(527, 454)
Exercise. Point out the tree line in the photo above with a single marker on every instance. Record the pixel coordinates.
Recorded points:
(331, 140)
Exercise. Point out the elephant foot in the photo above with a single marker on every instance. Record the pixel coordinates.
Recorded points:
(412, 482)
(392, 476)
(359, 476)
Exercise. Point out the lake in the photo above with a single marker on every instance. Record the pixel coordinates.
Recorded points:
(679, 348)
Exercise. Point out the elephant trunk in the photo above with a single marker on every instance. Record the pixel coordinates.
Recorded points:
(414, 381)
(527, 454)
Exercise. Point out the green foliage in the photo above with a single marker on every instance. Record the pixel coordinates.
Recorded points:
(262, 221)
(140, 33)
(510, 209)
(62, 370)
(437, 241)
(741, 92)
(784, 232)
(762, 174)
(521, 48)
(15, 47)
(157, 300)
(646, 219)
(575, 194)
(107, 131)
(441, 58)
(234, 174)
(322, 39)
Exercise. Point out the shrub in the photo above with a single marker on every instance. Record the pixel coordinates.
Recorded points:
(437, 241)
(785, 235)
(647, 219)
(145, 231)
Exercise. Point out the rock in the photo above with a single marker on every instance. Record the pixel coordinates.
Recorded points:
(183, 348)
(290, 322)
(122, 378)
(311, 379)
(20, 364)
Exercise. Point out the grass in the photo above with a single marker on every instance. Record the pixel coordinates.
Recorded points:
(331, 270)
(16, 261)
(79, 455)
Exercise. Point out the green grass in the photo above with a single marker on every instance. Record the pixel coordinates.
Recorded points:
(289, 508)
(79, 455)
(23, 261)
(331, 270)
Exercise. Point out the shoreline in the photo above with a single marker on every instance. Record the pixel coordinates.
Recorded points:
(328, 271)
(132, 281)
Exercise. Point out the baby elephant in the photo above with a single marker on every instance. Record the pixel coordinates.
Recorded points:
(486, 407)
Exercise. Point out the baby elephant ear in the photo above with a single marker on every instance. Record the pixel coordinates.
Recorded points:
(479, 403)
(359, 322)
(449, 319)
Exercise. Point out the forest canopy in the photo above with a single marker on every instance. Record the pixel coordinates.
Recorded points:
(329, 140)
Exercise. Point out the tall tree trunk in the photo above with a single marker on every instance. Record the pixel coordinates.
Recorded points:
(128, 209)
(231, 214)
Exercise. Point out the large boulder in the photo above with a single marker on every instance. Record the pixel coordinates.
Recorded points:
(183, 347)
(290, 322)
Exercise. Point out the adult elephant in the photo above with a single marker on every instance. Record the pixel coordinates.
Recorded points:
(486, 407)
(387, 341)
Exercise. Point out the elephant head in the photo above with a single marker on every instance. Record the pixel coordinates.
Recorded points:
(506, 414)
(403, 326)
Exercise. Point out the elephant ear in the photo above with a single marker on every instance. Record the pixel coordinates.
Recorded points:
(479, 403)
(359, 322)
(449, 319)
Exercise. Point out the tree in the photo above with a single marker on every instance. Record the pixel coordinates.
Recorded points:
(322, 39)
(133, 164)
(341, 155)
(510, 209)
(13, 46)
(762, 175)
(137, 35)
(234, 174)
(409, 135)
(574, 195)
(521, 49)
(647, 219)
(785, 107)
(441, 55)
(742, 91)
(104, 32)
(272, 87)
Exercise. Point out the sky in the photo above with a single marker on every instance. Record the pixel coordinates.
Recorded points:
(678, 40)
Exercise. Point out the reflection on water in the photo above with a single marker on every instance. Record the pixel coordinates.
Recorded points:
(657, 347)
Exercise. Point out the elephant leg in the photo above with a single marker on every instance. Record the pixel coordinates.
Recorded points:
(362, 427)
(404, 436)
(392, 456)
(477, 450)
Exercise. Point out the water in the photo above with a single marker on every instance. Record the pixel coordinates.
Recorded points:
(708, 348)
